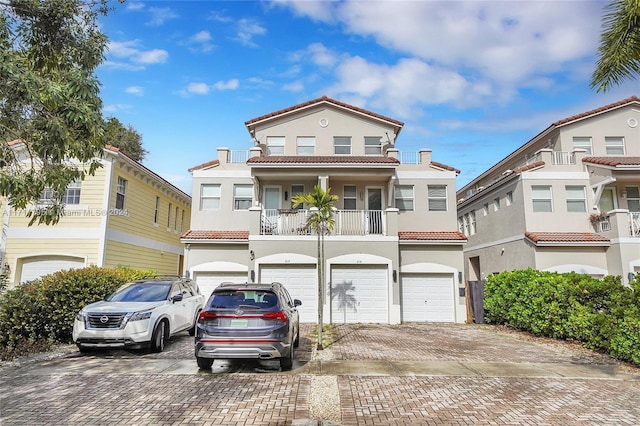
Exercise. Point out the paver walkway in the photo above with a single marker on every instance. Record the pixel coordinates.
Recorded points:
(416, 374)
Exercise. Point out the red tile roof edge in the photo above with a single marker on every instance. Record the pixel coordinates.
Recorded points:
(431, 236)
(566, 237)
(318, 101)
(204, 165)
(613, 161)
(444, 166)
(597, 110)
(198, 234)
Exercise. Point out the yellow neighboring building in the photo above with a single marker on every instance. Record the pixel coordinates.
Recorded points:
(124, 215)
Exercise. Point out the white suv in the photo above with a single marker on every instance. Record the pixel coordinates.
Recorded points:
(141, 314)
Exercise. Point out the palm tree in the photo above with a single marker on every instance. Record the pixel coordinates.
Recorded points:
(619, 52)
(320, 220)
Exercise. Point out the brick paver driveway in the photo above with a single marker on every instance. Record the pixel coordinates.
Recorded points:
(408, 374)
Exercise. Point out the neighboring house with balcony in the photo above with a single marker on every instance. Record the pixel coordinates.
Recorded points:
(567, 200)
(124, 215)
(395, 253)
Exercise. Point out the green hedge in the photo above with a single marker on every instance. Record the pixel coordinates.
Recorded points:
(41, 312)
(603, 315)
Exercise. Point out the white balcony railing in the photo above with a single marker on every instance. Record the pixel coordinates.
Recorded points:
(238, 156)
(634, 224)
(563, 157)
(409, 157)
(346, 222)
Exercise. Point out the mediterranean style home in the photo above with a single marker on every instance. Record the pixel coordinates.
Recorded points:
(394, 253)
(124, 215)
(567, 200)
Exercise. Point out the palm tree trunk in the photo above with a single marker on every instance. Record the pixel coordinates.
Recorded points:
(320, 286)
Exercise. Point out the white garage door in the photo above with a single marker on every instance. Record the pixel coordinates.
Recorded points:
(359, 294)
(428, 298)
(36, 267)
(208, 281)
(302, 283)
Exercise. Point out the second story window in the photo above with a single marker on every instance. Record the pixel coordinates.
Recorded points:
(582, 142)
(614, 145)
(342, 145)
(182, 222)
(306, 145)
(157, 210)
(169, 216)
(633, 198)
(72, 194)
(485, 209)
(541, 198)
(210, 197)
(242, 197)
(509, 198)
(437, 198)
(472, 222)
(275, 145)
(576, 199)
(403, 195)
(175, 219)
(496, 204)
(295, 190)
(349, 197)
(121, 191)
(372, 146)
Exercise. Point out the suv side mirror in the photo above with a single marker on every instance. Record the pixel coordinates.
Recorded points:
(177, 298)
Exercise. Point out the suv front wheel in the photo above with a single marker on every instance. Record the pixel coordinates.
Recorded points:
(159, 336)
(286, 362)
(204, 363)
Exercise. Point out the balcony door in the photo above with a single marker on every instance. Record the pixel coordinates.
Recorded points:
(272, 202)
(374, 210)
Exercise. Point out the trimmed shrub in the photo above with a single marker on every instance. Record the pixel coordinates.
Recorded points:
(44, 310)
(603, 315)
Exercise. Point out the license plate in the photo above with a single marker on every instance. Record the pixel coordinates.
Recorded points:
(240, 323)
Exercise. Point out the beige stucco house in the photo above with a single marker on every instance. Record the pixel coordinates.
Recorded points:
(567, 200)
(395, 253)
(124, 215)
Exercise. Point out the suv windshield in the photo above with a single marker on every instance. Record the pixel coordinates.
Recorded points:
(232, 299)
(142, 292)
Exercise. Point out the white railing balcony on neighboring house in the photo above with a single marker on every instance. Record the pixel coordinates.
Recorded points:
(563, 157)
(602, 225)
(409, 157)
(346, 222)
(238, 156)
(634, 224)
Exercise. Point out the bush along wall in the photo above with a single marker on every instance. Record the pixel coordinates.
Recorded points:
(601, 314)
(40, 313)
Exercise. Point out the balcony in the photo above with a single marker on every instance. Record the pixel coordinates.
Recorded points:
(618, 224)
(346, 222)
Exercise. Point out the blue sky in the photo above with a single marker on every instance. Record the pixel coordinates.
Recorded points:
(472, 81)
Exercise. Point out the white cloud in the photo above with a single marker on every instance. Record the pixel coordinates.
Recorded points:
(198, 88)
(137, 59)
(154, 56)
(134, 90)
(160, 15)
(116, 107)
(229, 85)
(322, 11)
(202, 40)
(296, 86)
(201, 37)
(247, 29)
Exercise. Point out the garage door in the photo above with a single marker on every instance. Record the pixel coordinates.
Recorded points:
(428, 298)
(36, 267)
(208, 281)
(359, 294)
(302, 283)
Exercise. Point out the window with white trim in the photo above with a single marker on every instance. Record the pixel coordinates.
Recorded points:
(496, 204)
(349, 197)
(169, 215)
(275, 145)
(403, 195)
(342, 145)
(175, 219)
(156, 211)
(614, 145)
(372, 145)
(121, 191)
(72, 193)
(242, 197)
(472, 219)
(306, 145)
(461, 224)
(210, 196)
(541, 198)
(576, 198)
(182, 221)
(582, 142)
(485, 209)
(295, 190)
(509, 198)
(633, 198)
(437, 198)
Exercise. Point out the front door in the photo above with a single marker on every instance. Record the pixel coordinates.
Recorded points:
(374, 210)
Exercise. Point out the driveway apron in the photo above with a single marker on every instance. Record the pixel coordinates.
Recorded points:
(411, 374)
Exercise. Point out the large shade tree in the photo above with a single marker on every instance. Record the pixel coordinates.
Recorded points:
(619, 52)
(320, 220)
(126, 139)
(50, 108)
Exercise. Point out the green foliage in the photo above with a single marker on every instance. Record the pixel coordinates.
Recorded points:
(44, 309)
(50, 108)
(603, 315)
(126, 139)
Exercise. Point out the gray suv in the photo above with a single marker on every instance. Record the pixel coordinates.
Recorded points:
(248, 320)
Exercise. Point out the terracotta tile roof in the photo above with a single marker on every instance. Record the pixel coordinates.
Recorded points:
(431, 236)
(205, 165)
(322, 159)
(613, 161)
(597, 110)
(323, 99)
(559, 238)
(529, 167)
(444, 166)
(215, 235)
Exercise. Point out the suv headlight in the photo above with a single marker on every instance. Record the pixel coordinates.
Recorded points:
(142, 315)
(80, 316)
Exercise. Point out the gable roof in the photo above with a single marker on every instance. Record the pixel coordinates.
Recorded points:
(321, 101)
(605, 108)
